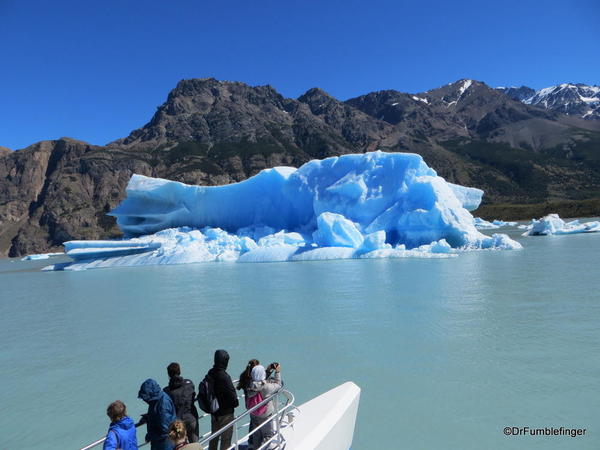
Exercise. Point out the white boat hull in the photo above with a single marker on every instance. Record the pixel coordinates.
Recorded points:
(326, 422)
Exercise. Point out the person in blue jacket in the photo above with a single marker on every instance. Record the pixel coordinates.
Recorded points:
(121, 433)
(161, 413)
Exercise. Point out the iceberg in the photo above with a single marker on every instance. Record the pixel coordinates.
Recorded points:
(353, 206)
(40, 256)
(334, 230)
(497, 223)
(502, 223)
(553, 224)
(468, 196)
(484, 224)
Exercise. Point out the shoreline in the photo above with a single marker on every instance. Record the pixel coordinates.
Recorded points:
(566, 209)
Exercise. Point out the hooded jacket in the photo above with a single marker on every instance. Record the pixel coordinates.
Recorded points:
(224, 390)
(121, 435)
(161, 411)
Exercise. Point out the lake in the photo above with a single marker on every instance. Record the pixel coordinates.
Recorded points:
(447, 352)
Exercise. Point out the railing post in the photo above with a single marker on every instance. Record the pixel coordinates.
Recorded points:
(235, 432)
(277, 425)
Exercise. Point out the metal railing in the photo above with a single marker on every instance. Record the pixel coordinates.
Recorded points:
(101, 441)
(282, 417)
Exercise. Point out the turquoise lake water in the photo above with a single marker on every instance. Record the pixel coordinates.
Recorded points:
(448, 352)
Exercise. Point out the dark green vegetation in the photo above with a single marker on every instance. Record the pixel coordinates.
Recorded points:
(565, 209)
(528, 160)
(522, 169)
(534, 176)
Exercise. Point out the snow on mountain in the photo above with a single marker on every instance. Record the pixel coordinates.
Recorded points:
(418, 99)
(466, 84)
(566, 98)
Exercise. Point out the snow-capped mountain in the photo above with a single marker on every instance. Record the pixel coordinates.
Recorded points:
(518, 93)
(571, 99)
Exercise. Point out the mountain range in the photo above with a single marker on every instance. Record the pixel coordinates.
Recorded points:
(521, 146)
(570, 99)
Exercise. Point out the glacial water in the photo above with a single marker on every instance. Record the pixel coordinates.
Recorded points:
(447, 352)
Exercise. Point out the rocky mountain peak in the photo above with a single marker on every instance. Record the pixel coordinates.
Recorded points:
(319, 101)
(517, 93)
(572, 99)
(191, 87)
(205, 109)
(315, 95)
(213, 88)
(454, 94)
(389, 105)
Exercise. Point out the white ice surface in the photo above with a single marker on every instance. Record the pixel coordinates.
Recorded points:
(553, 224)
(39, 256)
(484, 224)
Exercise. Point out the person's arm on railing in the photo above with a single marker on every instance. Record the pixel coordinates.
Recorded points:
(111, 442)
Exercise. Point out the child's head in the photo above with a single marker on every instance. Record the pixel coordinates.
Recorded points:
(177, 432)
(116, 411)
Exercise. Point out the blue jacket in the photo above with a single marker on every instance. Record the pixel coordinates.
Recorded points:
(161, 412)
(121, 435)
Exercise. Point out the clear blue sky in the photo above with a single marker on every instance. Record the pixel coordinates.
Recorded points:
(95, 70)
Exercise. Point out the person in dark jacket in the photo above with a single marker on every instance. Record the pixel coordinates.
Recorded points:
(161, 412)
(121, 432)
(183, 394)
(227, 398)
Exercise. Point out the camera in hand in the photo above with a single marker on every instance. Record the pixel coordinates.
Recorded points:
(271, 368)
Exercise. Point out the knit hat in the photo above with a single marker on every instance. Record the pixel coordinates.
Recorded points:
(258, 373)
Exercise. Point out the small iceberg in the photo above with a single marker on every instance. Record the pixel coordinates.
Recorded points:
(502, 223)
(485, 225)
(482, 224)
(39, 256)
(372, 205)
(553, 224)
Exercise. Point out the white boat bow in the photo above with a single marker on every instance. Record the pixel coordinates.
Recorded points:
(326, 422)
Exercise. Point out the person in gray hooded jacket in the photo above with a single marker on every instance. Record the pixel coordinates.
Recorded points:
(265, 387)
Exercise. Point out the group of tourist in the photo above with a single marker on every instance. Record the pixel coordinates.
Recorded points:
(172, 417)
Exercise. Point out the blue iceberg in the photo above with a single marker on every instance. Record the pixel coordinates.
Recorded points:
(352, 206)
(468, 196)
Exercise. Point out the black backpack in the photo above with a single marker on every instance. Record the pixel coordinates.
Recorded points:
(206, 395)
